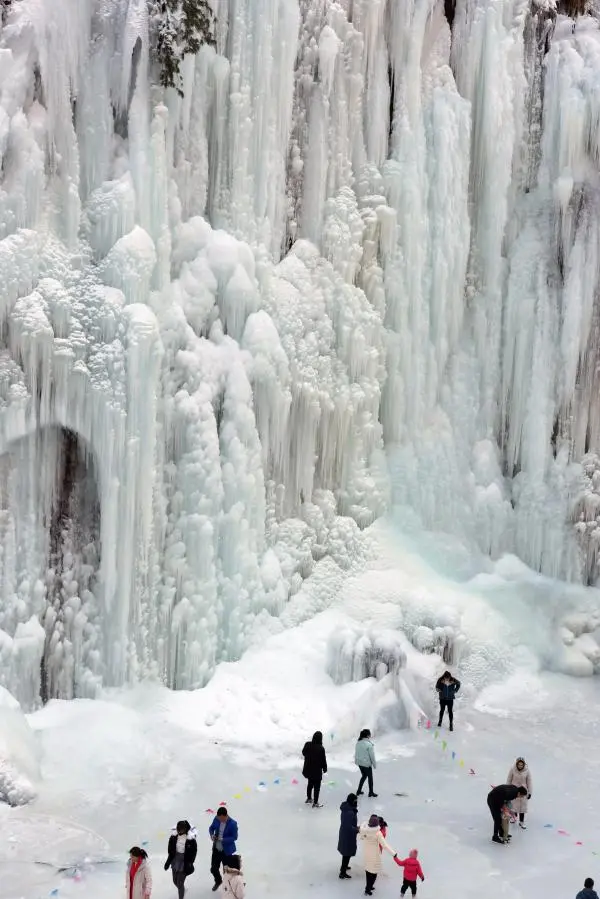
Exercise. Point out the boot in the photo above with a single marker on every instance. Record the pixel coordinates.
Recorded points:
(451, 727)
(497, 840)
(345, 876)
(317, 805)
(373, 796)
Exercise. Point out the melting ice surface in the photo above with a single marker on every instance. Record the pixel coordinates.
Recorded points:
(359, 232)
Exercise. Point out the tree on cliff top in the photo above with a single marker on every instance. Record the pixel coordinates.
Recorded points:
(178, 27)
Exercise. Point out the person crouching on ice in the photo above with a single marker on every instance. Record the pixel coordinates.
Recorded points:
(497, 798)
(233, 878)
(181, 854)
(412, 870)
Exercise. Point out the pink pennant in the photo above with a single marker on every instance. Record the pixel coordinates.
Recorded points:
(210, 811)
(223, 802)
(428, 725)
(294, 781)
(578, 843)
(563, 833)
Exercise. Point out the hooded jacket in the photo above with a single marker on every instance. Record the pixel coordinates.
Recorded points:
(347, 842)
(447, 691)
(189, 853)
(412, 866)
(315, 760)
(520, 779)
(364, 754)
(372, 839)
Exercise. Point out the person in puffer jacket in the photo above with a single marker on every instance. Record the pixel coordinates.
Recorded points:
(520, 776)
(233, 878)
(181, 854)
(412, 870)
(588, 891)
(372, 840)
(364, 757)
(447, 687)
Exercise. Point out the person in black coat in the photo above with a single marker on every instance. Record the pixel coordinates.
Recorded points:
(447, 687)
(348, 832)
(181, 854)
(497, 798)
(315, 766)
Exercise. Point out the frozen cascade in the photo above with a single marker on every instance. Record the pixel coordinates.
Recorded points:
(362, 228)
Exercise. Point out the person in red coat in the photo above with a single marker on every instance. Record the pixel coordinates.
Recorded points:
(412, 870)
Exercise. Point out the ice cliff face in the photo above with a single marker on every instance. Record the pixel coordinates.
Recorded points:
(357, 229)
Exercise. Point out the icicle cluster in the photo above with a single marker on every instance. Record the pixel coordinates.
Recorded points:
(403, 246)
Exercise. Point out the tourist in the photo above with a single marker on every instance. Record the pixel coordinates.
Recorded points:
(364, 756)
(497, 798)
(447, 687)
(348, 831)
(224, 833)
(412, 870)
(138, 879)
(373, 839)
(315, 766)
(181, 854)
(520, 776)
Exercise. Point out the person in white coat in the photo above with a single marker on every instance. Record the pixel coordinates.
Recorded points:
(520, 776)
(234, 885)
(138, 878)
(373, 842)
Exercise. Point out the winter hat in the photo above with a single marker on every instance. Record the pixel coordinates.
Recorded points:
(413, 853)
(374, 821)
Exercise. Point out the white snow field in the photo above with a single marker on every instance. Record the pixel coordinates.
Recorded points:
(121, 769)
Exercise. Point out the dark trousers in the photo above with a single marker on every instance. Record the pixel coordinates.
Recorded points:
(409, 885)
(446, 704)
(496, 813)
(219, 858)
(366, 774)
(179, 880)
(313, 788)
(371, 878)
(345, 863)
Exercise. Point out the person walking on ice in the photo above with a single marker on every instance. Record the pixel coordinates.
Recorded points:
(520, 776)
(223, 832)
(364, 757)
(373, 839)
(447, 687)
(412, 870)
(315, 766)
(347, 839)
(233, 878)
(496, 800)
(181, 854)
(138, 878)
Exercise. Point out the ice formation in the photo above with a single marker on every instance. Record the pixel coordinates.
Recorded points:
(364, 226)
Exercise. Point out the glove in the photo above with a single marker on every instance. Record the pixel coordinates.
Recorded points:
(167, 863)
(397, 860)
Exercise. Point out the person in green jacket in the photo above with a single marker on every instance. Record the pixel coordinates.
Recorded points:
(364, 756)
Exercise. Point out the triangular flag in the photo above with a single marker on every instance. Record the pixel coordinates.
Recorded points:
(578, 843)
(428, 725)
(294, 781)
(53, 892)
(471, 772)
(436, 734)
(462, 763)
(453, 755)
(161, 834)
(276, 781)
(548, 825)
(237, 796)
(210, 811)
(261, 783)
(144, 842)
(247, 790)
(563, 833)
(222, 802)
(444, 744)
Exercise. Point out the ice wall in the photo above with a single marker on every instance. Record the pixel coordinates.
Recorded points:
(363, 225)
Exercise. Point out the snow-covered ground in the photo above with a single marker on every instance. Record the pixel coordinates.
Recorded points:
(120, 771)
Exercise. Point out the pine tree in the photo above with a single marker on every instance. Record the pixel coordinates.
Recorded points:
(178, 27)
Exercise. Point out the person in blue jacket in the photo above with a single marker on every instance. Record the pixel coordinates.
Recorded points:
(447, 687)
(348, 832)
(224, 833)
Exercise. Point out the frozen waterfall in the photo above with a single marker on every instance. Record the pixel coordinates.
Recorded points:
(363, 231)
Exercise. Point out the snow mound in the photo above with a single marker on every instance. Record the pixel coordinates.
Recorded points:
(19, 768)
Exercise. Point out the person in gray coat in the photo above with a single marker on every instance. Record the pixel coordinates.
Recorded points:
(364, 756)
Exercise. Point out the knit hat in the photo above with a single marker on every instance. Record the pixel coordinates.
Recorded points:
(413, 853)
(374, 821)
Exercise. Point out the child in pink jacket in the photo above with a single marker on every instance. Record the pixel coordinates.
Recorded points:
(412, 870)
